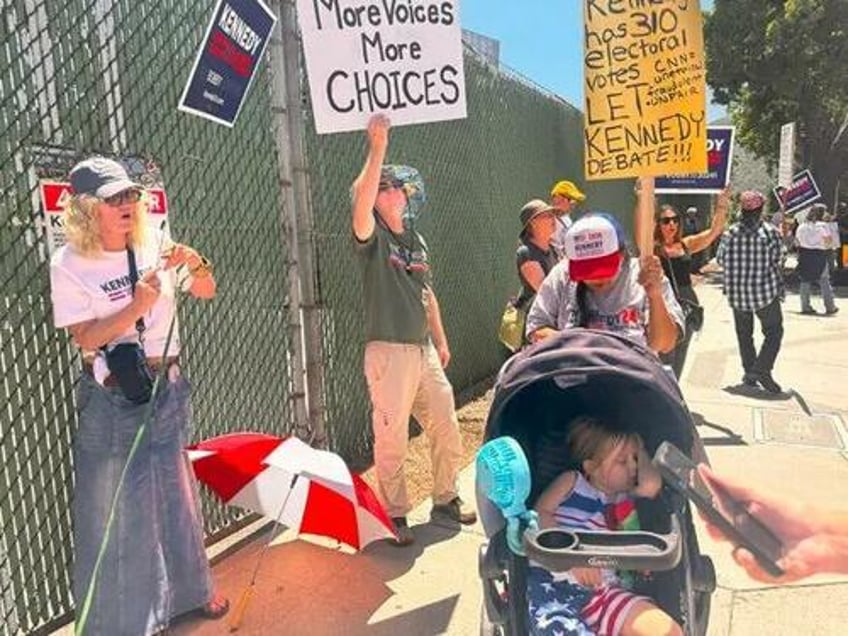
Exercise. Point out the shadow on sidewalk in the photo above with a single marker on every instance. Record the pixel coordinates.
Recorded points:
(757, 393)
(303, 588)
(727, 438)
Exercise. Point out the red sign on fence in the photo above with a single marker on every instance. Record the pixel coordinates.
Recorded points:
(53, 195)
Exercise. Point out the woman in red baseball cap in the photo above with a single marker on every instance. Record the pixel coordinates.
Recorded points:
(599, 286)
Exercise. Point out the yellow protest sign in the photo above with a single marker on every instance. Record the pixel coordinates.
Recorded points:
(644, 88)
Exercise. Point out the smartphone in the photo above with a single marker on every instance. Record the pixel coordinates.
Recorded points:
(723, 511)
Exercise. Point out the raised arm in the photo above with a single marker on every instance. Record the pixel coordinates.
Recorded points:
(701, 241)
(662, 330)
(366, 184)
(643, 216)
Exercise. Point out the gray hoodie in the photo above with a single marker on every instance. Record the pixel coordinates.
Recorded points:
(622, 308)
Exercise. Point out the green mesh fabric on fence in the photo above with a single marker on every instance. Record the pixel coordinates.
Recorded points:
(105, 77)
(83, 77)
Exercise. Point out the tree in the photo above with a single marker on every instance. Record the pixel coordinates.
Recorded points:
(777, 61)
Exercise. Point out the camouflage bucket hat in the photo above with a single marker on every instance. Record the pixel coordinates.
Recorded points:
(408, 179)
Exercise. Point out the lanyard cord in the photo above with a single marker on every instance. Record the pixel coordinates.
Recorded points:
(139, 324)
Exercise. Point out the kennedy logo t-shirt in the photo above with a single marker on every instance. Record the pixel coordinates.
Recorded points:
(87, 288)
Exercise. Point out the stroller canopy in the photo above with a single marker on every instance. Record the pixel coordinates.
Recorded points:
(584, 372)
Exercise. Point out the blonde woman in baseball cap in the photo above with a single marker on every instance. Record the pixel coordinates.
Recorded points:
(114, 289)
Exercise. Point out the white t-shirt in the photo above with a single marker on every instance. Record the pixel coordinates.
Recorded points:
(814, 235)
(93, 287)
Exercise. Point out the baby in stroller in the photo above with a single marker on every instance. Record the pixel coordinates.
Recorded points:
(544, 398)
(612, 468)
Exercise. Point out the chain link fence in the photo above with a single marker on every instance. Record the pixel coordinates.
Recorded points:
(104, 77)
(82, 77)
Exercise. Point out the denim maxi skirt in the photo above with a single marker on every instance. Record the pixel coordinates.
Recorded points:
(155, 565)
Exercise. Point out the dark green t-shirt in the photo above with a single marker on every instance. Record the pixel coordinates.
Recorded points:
(395, 276)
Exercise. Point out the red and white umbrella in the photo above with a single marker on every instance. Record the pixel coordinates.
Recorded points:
(311, 491)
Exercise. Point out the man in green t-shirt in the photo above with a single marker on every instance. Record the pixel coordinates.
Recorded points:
(406, 350)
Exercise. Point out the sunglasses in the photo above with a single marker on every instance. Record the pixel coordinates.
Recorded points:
(127, 196)
(669, 219)
(389, 185)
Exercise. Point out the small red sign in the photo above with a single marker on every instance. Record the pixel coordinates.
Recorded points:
(158, 201)
(53, 195)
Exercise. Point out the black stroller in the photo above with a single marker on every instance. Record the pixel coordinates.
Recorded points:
(539, 390)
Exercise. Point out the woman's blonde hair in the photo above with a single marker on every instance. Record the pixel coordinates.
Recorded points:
(82, 226)
(591, 438)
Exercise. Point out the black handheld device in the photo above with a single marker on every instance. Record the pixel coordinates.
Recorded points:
(723, 511)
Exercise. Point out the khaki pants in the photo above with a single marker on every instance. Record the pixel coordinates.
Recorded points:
(402, 380)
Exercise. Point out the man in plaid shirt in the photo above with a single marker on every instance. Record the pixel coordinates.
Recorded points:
(752, 255)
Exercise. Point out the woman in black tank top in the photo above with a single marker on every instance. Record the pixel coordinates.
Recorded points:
(675, 252)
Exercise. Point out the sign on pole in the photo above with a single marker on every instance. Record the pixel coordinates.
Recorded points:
(719, 161)
(644, 87)
(802, 191)
(785, 166)
(402, 59)
(227, 60)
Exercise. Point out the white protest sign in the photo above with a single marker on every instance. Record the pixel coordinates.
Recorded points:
(785, 167)
(402, 58)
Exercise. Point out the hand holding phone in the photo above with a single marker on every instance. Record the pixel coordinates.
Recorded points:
(815, 540)
(727, 510)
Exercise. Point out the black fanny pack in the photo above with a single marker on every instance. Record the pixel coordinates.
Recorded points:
(128, 364)
(127, 361)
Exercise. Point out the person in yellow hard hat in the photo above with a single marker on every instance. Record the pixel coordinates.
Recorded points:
(564, 197)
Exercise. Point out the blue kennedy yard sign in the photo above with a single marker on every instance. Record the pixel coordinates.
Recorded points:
(228, 60)
(719, 160)
(802, 192)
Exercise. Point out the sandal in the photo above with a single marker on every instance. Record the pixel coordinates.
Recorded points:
(215, 609)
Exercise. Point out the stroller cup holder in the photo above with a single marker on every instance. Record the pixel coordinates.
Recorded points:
(559, 550)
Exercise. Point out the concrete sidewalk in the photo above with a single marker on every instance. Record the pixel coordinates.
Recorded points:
(796, 443)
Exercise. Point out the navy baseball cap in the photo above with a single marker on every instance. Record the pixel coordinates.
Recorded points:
(101, 177)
